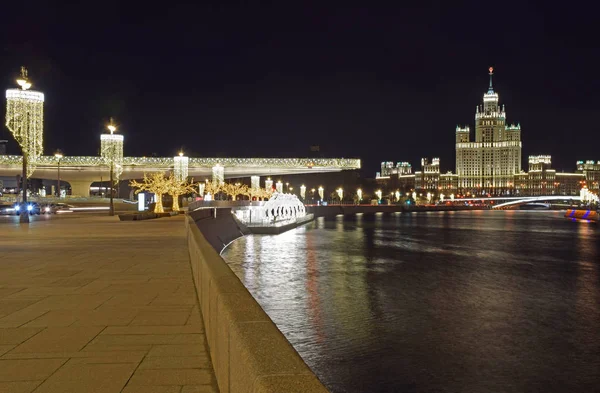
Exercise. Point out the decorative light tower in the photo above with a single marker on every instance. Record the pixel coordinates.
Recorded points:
(303, 191)
(279, 187)
(269, 184)
(111, 149)
(180, 167)
(25, 119)
(379, 194)
(202, 187)
(58, 155)
(218, 175)
(255, 183)
(359, 195)
(321, 192)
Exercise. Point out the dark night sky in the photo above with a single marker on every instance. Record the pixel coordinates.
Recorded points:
(246, 80)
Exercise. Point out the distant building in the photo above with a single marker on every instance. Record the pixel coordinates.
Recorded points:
(488, 164)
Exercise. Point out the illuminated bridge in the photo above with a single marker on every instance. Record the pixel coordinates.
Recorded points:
(507, 202)
(80, 171)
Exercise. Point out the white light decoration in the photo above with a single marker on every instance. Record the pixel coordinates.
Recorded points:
(282, 207)
(414, 195)
(378, 193)
(180, 167)
(255, 182)
(397, 195)
(340, 193)
(359, 194)
(111, 151)
(303, 191)
(269, 184)
(218, 175)
(442, 196)
(429, 196)
(452, 197)
(201, 188)
(279, 186)
(141, 202)
(25, 119)
(321, 193)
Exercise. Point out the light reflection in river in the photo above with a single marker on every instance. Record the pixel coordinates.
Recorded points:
(436, 302)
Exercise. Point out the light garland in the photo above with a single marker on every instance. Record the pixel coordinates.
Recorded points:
(255, 182)
(269, 184)
(111, 151)
(25, 119)
(180, 167)
(218, 175)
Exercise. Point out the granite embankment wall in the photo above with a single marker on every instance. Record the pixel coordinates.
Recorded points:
(248, 352)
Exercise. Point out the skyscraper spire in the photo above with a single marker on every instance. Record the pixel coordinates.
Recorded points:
(491, 89)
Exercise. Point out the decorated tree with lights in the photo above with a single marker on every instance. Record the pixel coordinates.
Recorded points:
(239, 189)
(213, 188)
(176, 187)
(155, 183)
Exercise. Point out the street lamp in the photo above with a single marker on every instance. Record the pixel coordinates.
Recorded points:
(111, 210)
(58, 156)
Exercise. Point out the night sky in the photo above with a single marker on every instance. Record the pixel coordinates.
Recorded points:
(245, 80)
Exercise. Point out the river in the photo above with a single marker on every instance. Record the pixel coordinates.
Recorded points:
(479, 301)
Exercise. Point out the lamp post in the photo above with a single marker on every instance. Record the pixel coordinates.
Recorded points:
(24, 119)
(58, 156)
(111, 210)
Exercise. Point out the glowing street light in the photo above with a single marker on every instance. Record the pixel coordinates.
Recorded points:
(58, 156)
(378, 193)
(359, 195)
(111, 149)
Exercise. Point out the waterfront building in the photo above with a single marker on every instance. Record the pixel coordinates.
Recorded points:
(591, 171)
(428, 178)
(488, 164)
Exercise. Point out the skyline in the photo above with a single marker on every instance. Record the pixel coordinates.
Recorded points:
(276, 81)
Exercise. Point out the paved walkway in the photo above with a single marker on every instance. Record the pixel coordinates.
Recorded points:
(92, 304)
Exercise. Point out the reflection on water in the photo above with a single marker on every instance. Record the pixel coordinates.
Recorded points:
(483, 301)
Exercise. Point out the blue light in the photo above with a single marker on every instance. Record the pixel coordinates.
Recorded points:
(29, 207)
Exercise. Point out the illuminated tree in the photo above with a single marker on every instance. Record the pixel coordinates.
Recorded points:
(177, 187)
(155, 183)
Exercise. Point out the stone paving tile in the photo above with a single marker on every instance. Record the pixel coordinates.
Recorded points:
(127, 356)
(179, 350)
(200, 389)
(98, 378)
(165, 362)
(28, 369)
(5, 348)
(152, 389)
(185, 329)
(59, 339)
(17, 335)
(143, 339)
(161, 318)
(19, 387)
(172, 377)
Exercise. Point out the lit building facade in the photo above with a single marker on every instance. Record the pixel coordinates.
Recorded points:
(488, 164)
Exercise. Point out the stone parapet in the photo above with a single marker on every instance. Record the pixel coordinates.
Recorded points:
(248, 351)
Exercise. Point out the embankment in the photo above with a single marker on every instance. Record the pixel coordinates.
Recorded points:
(248, 352)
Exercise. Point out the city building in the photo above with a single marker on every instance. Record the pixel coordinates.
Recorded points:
(488, 164)
(428, 178)
(591, 172)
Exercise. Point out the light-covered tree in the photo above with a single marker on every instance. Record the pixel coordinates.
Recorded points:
(175, 188)
(155, 183)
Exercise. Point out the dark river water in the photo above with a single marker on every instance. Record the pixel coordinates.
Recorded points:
(486, 301)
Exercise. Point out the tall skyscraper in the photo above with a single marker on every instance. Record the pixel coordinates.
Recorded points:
(488, 165)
